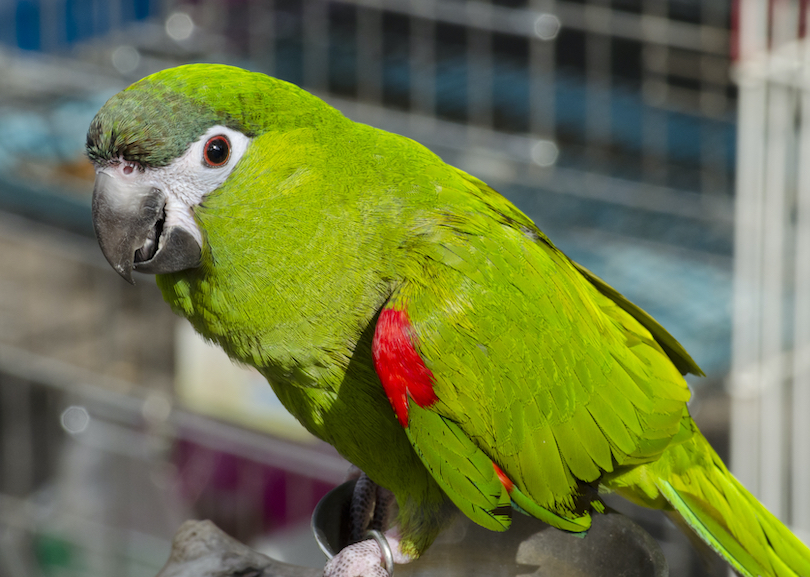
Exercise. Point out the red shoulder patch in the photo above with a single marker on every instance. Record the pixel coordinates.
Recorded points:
(401, 370)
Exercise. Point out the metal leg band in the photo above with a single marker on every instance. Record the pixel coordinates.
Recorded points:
(388, 555)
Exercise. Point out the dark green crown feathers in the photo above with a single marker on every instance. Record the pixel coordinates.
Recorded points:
(155, 120)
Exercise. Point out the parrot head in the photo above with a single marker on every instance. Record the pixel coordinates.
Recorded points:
(160, 146)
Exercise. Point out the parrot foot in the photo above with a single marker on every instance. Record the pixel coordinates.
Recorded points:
(370, 508)
(370, 554)
(373, 557)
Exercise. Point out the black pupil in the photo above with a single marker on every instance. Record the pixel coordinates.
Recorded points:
(217, 151)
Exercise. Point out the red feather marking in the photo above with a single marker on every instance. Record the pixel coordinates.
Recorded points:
(505, 481)
(402, 371)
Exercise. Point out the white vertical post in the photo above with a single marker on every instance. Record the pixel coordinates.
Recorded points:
(744, 385)
(773, 466)
(800, 497)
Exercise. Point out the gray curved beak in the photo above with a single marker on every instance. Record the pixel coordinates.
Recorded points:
(128, 220)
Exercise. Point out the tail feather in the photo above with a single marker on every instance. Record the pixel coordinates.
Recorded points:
(697, 484)
(715, 534)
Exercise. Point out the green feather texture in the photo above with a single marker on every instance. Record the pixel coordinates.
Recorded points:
(546, 385)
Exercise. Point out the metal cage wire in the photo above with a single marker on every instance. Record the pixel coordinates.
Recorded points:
(770, 382)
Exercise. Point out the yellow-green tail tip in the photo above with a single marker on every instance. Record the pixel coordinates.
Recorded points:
(725, 515)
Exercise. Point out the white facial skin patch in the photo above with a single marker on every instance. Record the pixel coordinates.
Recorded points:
(187, 180)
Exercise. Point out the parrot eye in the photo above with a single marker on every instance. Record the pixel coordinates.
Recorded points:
(217, 151)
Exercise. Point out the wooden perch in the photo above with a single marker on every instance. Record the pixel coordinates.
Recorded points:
(201, 549)
(615, 546)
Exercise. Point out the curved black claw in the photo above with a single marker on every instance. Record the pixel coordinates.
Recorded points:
(383, 505)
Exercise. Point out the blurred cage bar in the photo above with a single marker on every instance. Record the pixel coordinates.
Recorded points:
(629, 89)
(770, 378)
(610, 122)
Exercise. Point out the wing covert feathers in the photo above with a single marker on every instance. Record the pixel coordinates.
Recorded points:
(462, 470)
(544, 374)
(545, 383)
(674, 350)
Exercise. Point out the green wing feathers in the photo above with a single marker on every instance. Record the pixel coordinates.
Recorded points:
(674, 350)
(546, 375)
(461, 469)
(541, 367)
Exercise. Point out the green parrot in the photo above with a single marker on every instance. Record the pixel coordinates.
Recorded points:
(406, 313)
